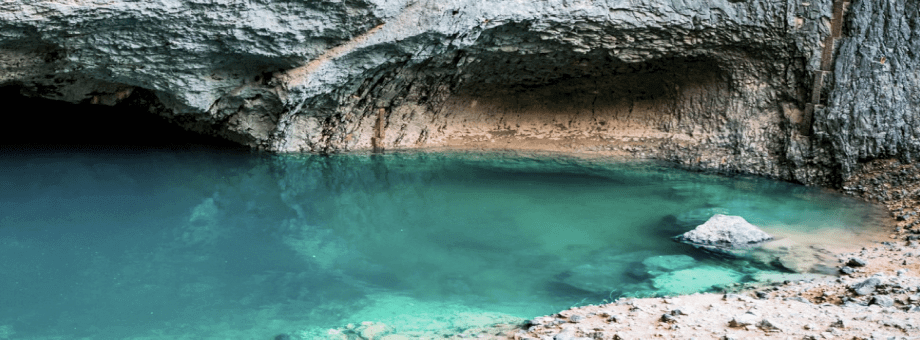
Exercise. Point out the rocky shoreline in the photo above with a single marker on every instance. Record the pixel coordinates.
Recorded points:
(875, 296)
(879, 299)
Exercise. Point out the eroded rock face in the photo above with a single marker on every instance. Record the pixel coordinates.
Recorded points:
(720, 85)
(874, 108)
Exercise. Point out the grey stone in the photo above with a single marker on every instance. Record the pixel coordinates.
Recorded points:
(866, 287)
(847, 270)
(882, 300)
(668, 318)
(769, 326)
(742, 320)
(725, 233)
(799, 299)
(569, 334)
(856, 262)
(840, 323)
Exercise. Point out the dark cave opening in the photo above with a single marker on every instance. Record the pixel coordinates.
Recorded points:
(44, 125)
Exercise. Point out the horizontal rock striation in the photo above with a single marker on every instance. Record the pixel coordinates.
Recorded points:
(723, 85)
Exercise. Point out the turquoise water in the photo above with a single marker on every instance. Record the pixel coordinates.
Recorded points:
(194, 244)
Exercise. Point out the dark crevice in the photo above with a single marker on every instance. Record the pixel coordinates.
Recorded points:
(43, 125)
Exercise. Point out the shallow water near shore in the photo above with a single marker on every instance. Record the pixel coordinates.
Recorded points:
(165, 244)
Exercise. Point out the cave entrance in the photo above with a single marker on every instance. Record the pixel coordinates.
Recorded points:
(36, 124)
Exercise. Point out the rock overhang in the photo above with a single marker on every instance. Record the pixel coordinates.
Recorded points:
(282, 75)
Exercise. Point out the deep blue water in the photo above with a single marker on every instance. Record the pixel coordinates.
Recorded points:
(201, 243)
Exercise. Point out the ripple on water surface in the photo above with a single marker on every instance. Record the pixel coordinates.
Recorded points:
(201, 244)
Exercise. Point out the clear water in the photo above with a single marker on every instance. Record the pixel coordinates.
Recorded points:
(231, 245)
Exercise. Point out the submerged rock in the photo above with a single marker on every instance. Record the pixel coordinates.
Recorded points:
(698, 279)
(657, 265)
(605, 272)
(667, 263)
(723, 233)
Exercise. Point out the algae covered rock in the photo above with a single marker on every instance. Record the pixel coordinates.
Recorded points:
(723, 234)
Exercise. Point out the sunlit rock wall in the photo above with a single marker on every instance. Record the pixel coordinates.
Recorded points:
(725, 85)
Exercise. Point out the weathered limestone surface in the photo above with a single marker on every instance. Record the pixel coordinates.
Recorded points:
(720, 84)
(874, 107)
(725, 232)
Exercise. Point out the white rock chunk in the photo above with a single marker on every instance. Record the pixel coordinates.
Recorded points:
(725, 232)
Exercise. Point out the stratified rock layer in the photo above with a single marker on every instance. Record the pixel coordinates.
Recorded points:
(739, 86)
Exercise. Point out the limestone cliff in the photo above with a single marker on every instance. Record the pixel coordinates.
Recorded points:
(732, 85)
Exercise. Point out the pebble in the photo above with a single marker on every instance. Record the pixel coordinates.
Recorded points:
(742, 320)
(882, 300)
(866, 287)
(768, 326)
(856, 262)
(668, 318)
